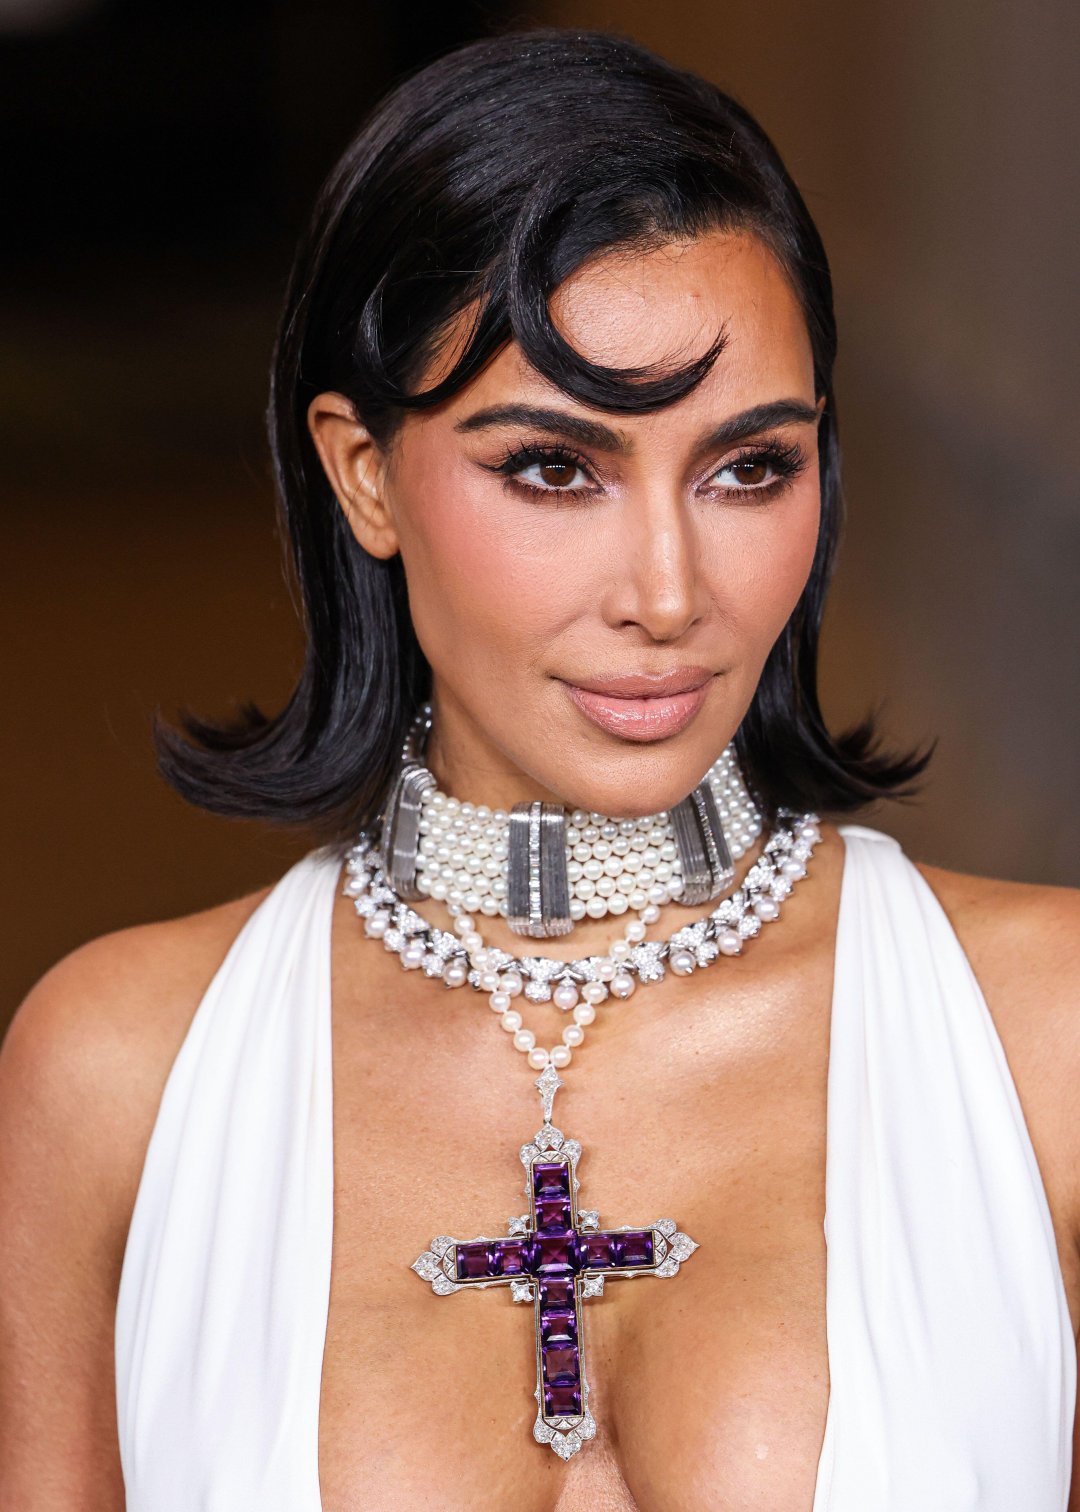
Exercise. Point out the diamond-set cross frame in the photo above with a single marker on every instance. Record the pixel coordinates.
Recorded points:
(555, 1257)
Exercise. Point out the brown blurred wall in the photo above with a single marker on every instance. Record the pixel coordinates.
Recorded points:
(935, 145)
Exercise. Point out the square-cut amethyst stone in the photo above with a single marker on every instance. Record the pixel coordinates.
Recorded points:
(556, 1291)
(597, 1251)
(558, 1325)
(560, 1364)
(563, 1400)
(472, 1261)
(637, 1247)
(554, 1254)
(553, 1214)
(551, 1179)
(507, 1258)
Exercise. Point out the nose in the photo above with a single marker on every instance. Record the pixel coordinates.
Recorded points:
(655, 581)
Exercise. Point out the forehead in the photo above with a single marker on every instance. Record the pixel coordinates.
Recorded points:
(665, 305)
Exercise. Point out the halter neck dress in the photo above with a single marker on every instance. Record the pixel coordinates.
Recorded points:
(952, 1361)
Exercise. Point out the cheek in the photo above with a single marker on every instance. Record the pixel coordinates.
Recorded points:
(759, 561)
(484, 574)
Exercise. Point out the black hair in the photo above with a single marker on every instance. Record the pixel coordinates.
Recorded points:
(485, 180)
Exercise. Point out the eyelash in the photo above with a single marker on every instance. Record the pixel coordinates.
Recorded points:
(787, 462)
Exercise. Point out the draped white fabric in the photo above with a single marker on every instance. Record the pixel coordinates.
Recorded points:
(952, 1363)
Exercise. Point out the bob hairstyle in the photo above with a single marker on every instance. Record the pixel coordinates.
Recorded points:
(484, 181)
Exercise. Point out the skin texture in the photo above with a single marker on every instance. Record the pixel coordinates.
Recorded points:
(724, 1074)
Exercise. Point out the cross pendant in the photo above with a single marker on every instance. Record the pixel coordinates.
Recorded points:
(555, 1257)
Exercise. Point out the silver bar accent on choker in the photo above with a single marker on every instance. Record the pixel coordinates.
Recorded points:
(537, 884)
(401, 827)
(706, 862)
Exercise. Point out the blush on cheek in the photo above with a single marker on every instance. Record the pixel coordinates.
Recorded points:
(490, 583)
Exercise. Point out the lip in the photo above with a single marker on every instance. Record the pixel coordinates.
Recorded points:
(640, 707)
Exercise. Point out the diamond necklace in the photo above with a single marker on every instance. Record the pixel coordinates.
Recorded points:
(556, 1256)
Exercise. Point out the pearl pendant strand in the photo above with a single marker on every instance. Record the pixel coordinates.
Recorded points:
(576, 987)
(614, 866)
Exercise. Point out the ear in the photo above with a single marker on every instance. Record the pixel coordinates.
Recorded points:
(356, 469)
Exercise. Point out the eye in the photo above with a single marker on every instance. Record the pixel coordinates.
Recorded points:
(540, 470)
(554, 474)
(765, 470)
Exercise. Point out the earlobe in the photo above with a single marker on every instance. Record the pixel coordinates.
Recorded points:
(354, 466)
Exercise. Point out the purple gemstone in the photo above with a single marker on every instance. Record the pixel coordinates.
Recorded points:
(551, 1179)
(558, 1326)
(555, 1291)
(507, 1258)
(597, 1251)
(553, 1214)
(562, 1400)
(560, 1364)
(555, 1254)
(637, 1247)
(472, 1261)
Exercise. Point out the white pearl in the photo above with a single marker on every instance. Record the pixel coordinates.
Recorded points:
(565, 995)
(729, 942)
(622, 984)
(620, 949)
(573, 1035)
(463, 925)
(577, 910)
(767, 909)
(376, 925)
(500, 1001)
(584, 889)
(489, 981)
(596, 907)
(455, 974)
(511, 983)
(595, 992)
(560, 1056)
(511, 1021)
(617, 903)
(649, 914)
(592, 869)
(412, 956)
(635, 931)
(524, 1040)
(538, 1058)
(605, 887)
(584, 1013)
(472, 942)
(793, 868)
(681, 962)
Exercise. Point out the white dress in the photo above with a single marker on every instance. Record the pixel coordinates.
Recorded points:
(951, 1356)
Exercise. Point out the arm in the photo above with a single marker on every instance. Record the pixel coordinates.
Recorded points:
(62, 1198)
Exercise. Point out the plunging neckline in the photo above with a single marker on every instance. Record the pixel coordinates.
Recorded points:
(823, 1468)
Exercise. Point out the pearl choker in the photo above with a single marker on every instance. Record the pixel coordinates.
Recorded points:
(463, 854)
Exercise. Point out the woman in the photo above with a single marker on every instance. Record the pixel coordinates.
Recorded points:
(556, 443)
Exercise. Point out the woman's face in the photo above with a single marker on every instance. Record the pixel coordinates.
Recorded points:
(551, 548)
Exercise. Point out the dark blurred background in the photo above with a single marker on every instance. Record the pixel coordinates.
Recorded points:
(160, 162)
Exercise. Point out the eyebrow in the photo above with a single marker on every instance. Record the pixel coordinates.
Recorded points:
(594, 433)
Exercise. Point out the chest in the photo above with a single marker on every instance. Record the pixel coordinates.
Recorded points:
(709, 1388)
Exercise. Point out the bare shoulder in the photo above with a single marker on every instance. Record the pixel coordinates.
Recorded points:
(82, 1070)
(1023, 943)
(1019, 936)
(110, 1016)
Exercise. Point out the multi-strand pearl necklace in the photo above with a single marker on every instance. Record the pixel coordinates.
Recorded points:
(576, 987)
(614, 866)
